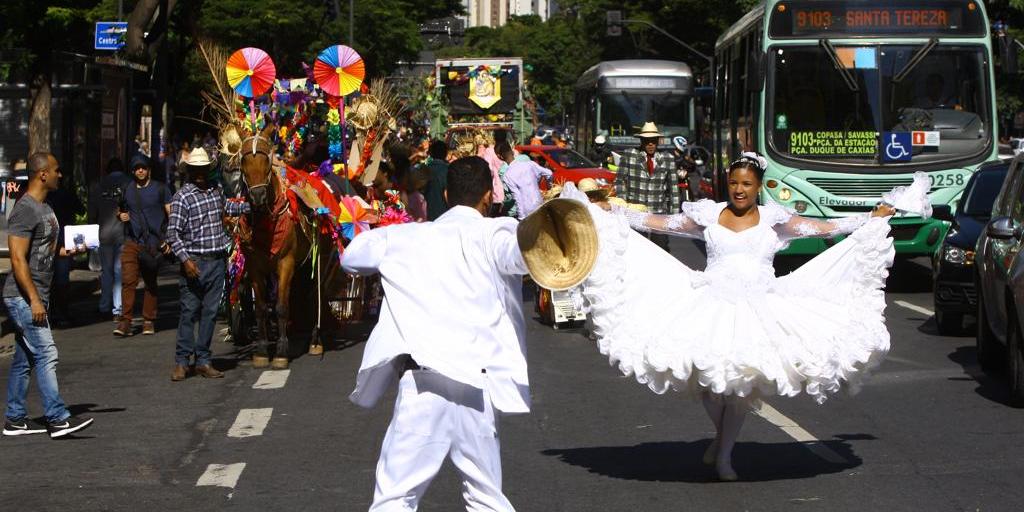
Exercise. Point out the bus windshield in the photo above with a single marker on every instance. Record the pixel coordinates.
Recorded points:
(832, 107)
(624, 112)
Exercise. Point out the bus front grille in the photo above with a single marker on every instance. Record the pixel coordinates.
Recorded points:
(873, 188)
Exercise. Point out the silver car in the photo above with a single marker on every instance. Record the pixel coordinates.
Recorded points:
(1000, 283)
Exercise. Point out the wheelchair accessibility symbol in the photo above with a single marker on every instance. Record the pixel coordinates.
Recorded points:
(897, 146)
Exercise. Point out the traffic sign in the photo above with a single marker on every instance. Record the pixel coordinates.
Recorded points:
(110, 35)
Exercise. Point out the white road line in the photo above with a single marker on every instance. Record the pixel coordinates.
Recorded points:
(914, 307)
(221, 475)
(797, 432)
(272, 379)
(250, 422)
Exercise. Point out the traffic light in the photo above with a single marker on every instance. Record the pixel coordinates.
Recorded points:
(614, 19)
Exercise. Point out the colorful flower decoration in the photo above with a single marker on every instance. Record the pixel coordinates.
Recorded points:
(353, 219)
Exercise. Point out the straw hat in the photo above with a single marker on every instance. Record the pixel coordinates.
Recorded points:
(559, 243)
(649, 131)
(198, 158)
(592, 189)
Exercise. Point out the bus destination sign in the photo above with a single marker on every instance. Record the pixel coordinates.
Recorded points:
(809, 19)
(832, 143)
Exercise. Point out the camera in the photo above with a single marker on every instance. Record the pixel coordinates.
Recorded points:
(116, 194)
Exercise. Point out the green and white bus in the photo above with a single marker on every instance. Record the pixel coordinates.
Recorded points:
(847, 99)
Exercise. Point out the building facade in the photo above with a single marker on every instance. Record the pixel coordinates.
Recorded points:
(495, 13)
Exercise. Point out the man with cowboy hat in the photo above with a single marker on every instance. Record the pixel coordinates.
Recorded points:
(197, 237)
(647, 176)
(452, 333)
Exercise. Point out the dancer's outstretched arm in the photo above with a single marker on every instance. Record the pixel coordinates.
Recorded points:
(679, 224)
(804, 227)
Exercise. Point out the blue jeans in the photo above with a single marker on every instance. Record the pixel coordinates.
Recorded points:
(110, 279)
(200, 301)
(34, 348)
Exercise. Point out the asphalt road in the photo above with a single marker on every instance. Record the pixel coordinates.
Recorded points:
(928, 432)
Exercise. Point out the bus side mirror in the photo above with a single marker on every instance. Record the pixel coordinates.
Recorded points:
(755, 70)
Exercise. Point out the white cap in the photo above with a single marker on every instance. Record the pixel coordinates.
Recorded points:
(600, 139)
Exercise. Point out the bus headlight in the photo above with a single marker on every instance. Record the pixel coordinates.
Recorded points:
(800, 206)
(785, 194)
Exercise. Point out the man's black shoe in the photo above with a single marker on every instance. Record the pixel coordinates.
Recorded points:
(72, 424)
(22, 427)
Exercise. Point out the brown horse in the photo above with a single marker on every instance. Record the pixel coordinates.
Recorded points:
(277, 246)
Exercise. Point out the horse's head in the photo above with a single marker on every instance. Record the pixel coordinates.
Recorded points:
(256, 169)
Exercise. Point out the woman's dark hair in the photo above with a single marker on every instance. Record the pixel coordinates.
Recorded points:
(748, 164)
(114, 165)
(400, 164)
(469, 178)
(438, 149)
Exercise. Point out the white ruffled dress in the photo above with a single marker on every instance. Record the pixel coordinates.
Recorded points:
(735, 328)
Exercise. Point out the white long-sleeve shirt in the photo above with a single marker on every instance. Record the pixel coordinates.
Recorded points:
(452, 301)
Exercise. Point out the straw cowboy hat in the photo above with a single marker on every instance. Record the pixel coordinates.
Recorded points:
(592, 189)
(198, 158)
(559, 243)
(649, 131)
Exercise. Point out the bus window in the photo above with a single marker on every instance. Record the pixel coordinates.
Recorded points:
(943, 93)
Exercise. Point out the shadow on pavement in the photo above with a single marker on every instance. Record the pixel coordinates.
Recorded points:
(77, 409)
(676, 461)
(992, 387)
(909, 276)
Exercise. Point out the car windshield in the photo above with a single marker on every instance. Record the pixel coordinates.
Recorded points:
(570, 159)
(832, 107)
(979, 197)
(624, 112)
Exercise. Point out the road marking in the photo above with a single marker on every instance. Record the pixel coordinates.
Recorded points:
(272, 379)
(797, 432)
(914, 307)
(221, 475)
(250, 422)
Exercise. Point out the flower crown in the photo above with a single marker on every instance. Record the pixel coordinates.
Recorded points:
(751, 157)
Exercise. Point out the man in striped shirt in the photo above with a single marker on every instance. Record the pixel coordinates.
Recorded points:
(198, 239)
(648, 177)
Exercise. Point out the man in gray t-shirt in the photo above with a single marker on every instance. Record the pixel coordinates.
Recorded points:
(36, 222)
(33, 242)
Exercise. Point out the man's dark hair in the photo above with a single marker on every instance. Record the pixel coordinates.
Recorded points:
(503, 149)
(38, 161)
(469, 178)
(438, 149)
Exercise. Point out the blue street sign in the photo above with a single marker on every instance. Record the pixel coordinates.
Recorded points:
(896, 146)
(110, 35)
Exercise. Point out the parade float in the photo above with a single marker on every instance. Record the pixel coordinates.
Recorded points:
(305, 153)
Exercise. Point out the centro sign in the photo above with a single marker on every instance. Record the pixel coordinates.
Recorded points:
(110, 35)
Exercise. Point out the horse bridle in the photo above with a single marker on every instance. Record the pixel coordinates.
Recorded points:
(258, 143)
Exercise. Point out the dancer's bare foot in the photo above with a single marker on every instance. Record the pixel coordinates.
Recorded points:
(725, 472)
(711, 454)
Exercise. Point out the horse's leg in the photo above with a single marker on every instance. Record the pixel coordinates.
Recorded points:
(261, 357)
(285, 271)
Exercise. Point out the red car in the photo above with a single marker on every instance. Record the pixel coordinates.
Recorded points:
(567, 164)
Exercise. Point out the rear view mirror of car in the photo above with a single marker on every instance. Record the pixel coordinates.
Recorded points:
(942, 212)
(1003, 228)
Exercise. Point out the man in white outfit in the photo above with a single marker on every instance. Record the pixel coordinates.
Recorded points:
(451, 331)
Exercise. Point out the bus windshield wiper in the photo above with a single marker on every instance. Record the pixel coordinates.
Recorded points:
(915, 60)
(851, 82)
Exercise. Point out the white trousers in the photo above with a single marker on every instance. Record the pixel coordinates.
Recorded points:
(436, 417)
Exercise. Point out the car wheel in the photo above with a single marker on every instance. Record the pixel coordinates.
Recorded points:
(985, 340)
(1016, 356)
(948, 323)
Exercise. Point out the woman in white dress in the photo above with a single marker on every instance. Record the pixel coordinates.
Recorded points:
(734, 332)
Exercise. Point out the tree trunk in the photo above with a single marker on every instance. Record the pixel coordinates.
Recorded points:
(39, 118)
(137, 44)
